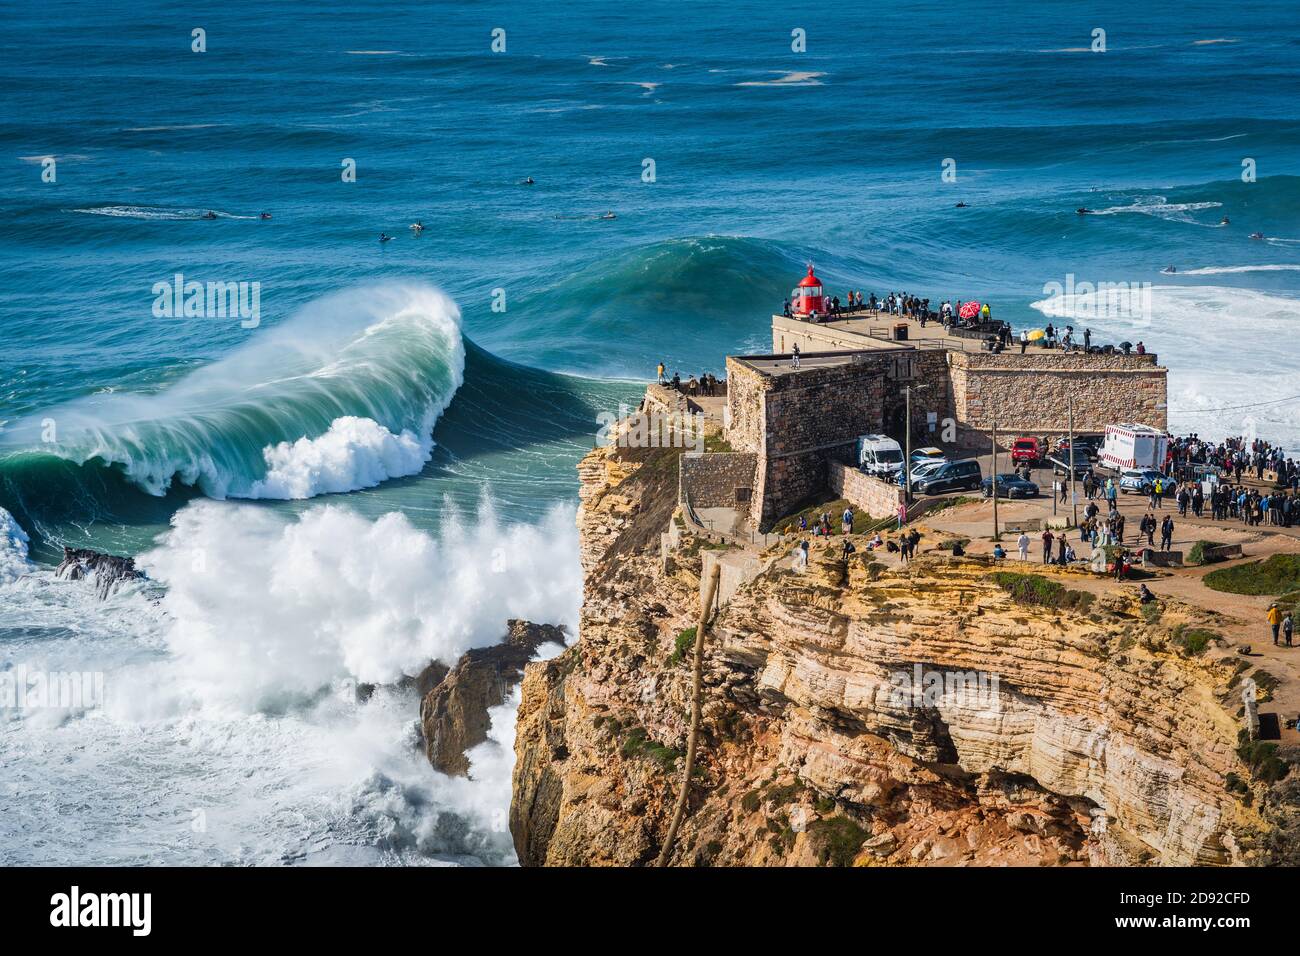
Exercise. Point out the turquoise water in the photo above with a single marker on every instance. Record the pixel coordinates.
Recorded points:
(379, 378)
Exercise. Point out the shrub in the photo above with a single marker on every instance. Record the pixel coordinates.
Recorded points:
(751, 801)
(1036, 589)
(948, 545)
(1193, 640)
(1151, 612)
(1197, 553)
(685, 645)
(836, 840)
(638, 744)
(1263, 761)
(1276, 574)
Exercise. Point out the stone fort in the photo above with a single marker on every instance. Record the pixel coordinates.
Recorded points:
(792, 430)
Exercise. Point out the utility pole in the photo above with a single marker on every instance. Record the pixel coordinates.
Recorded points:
(1074, 501)
(997, 535)
(907, 443)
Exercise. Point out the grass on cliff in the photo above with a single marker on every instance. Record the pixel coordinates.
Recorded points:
(1193, 640)
(1042, 591)
(862, 522)
(638, 744)
(1263, 761)
(685, 645)
(1276, 574)
(836, 840)
(1197, 553)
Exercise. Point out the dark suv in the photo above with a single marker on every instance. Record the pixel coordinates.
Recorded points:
(951, 476)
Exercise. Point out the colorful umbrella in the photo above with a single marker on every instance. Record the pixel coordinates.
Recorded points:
(1036, 334)
(970, 310)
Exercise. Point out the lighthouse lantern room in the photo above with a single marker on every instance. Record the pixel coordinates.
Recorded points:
(808, 298)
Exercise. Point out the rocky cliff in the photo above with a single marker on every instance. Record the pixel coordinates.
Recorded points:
(866, 713)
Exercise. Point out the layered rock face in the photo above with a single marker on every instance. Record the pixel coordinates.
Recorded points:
(860, 714)
(454, 702)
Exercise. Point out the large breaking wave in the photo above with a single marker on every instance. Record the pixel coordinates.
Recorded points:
(341, 396)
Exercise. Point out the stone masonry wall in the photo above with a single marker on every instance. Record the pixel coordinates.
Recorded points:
(880, 499)
(1028, 393)
(712, 480)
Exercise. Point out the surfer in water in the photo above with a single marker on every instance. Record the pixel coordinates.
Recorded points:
(1257, 235)
(1223, 221)
(265, 215)
(528, 181)
(1083, 211)
(384, 237)
(961, 205)
(209, 215)
(1169, 270)
(609, 215)
(417, 227)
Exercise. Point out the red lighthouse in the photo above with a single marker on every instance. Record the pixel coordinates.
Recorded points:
(808, 297)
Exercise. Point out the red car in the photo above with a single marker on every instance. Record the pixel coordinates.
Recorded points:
(1027, 451)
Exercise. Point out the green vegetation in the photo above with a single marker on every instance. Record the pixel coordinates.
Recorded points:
(1263, 761)
(1042, 591)
(1277, 574)
(751, 801)
(1196, 555)
(1193, 640)
(862, 522)
(836, 840)
(1151, 612)
(685, 644)
(637, 744)
(716, 443)
(948, 545)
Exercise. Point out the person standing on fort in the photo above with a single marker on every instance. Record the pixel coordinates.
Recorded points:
(662, 380)
(1047, 545)
(794, 355)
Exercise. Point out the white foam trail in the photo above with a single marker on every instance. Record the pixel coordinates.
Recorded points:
(1158, 207)
(13, 549)
(354, 453)
(1228, 270)
(1222, 346)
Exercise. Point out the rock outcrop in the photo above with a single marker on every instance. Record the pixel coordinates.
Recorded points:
(107, 570)
(859, 713)
(454, 702)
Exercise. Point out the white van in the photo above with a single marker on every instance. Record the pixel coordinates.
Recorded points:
(1131, 446)
(881, 456)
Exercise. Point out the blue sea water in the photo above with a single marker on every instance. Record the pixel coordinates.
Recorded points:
(380, 379)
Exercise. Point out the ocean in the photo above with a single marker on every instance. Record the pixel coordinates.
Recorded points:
(374, 467)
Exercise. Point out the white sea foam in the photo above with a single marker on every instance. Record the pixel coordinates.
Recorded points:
(1160, 208)
(13, 548)
(231, 730)
(355, 453)
(1224, 347)
(789, 78)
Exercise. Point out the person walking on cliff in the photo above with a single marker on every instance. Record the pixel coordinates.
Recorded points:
(1274, 617)
(1022, 543)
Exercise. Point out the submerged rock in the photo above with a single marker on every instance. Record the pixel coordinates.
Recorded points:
(454, 703)
(107, 570)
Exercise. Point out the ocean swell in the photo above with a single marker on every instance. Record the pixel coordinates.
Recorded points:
(342, 395)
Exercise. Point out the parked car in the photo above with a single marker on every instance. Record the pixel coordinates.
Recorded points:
(881, 456)
(1140, 481)
(1061, 466)
(1028, 451)
(930, 454)
(922, 468)
(1089, 445)
(1010, 486)
(950, 476)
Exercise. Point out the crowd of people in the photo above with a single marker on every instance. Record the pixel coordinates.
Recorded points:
(706, 384)
(1229, 498)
